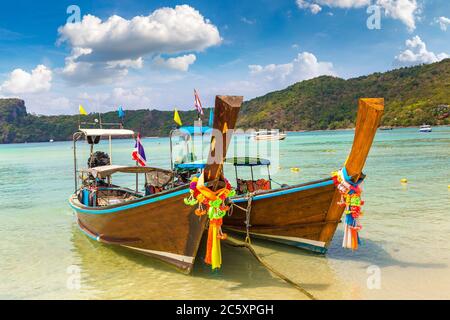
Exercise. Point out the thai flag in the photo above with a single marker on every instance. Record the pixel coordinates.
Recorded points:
(138, 153)
(198, 103)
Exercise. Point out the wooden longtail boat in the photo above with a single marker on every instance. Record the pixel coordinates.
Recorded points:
(305, 215)
(159, 225)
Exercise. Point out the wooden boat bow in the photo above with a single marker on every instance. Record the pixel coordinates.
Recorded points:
(225, 116)
(368, 120)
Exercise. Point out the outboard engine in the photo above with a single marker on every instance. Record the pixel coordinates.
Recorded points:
(98, 158)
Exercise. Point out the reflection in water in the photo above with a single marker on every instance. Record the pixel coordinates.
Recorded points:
(109, 272)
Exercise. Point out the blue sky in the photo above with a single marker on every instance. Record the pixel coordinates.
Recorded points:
(219, 47)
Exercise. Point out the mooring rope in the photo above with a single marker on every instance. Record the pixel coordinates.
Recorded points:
(270, 268)
(248, 244)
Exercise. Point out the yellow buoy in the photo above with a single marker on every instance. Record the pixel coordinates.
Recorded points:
(404, 180)
(295, 169)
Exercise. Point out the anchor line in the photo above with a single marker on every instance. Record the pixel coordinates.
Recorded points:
(248, 244)
(280, 275)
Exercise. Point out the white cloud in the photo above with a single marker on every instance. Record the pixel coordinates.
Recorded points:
(313, 7)
(248, 21)
(107, 49)
(305, 66)
(20, 81)
(344, 3)
(404, 10)
(127, 63)
(181, 63)
(444, 22)
(416, 53)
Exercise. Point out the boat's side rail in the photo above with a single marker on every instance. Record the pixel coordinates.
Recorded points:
(284, 190)
(134, 202)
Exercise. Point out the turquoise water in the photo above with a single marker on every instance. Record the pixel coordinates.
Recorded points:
(406, 228)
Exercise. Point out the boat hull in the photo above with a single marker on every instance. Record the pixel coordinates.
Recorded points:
(280, 136)
(160, 226)
(293, 215)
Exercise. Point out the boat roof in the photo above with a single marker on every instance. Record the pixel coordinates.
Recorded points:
(104, 171)
(247, 161)
(194, 130)
(199, 164)
(107, 132)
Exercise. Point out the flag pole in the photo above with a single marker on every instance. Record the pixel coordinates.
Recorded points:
(137, 165)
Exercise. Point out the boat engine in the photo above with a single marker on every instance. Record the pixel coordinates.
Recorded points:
(97, 159)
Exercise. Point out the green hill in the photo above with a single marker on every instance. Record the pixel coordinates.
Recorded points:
(413, 96)
(16, 125)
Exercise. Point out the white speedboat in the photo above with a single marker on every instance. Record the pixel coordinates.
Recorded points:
(425, 128)
(268, 135)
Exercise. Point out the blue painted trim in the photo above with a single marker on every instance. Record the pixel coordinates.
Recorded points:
(282, 192)
(131, 205)
(298, 244)
(88, 234)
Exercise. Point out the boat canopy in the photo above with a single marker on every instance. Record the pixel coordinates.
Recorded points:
(247, 161)
(105, 171)
(191, 130)
(199, 164)
(107, 132)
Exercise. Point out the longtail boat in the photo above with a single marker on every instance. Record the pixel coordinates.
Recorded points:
(156, 223)
(305, 215)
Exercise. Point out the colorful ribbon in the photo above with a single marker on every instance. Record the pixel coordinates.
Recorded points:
(212, 203)
(350, 199)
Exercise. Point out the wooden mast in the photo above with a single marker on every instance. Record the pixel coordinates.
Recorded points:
(225, 115)
(368, 119)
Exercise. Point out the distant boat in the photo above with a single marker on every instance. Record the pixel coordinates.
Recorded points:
(386, 128)
(268, 135)
(51, 140)
(425, 128)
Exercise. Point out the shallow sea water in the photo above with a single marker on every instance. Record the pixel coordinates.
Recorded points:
(406, 229)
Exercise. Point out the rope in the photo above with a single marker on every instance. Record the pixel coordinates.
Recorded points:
(248, 244)
(270, 268)
(247, 218)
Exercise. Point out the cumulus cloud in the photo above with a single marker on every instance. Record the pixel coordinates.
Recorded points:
(181, 63)
(416, 52)
(444, 22)
(404, 10)
(313, 7)
(21, 81)
(305, 66)
(117, 44)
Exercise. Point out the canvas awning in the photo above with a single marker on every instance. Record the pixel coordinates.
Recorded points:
(199, 164)
(247, 161)
(191, 130)
(107, 132)
(104, 171)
